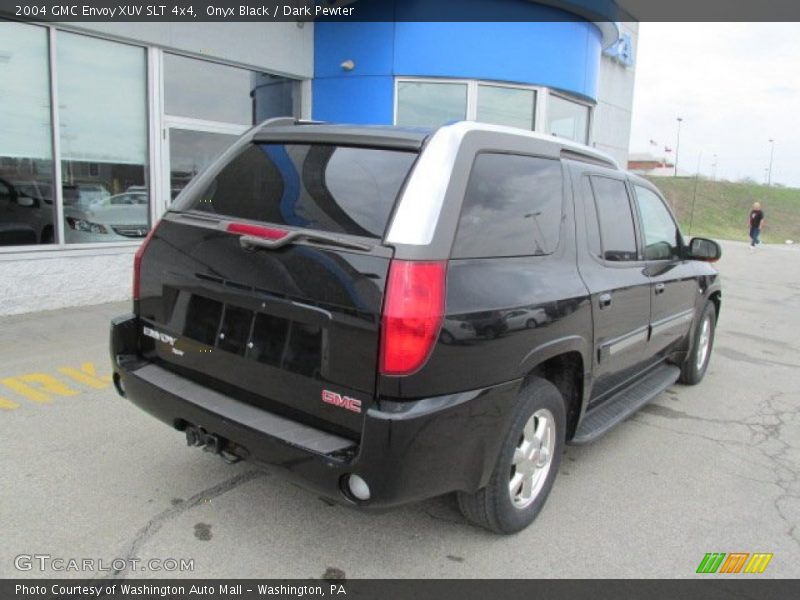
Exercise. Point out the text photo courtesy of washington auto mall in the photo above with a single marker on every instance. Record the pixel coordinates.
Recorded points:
(384, 298)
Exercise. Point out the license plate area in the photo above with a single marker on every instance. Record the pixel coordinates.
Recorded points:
(288, 344)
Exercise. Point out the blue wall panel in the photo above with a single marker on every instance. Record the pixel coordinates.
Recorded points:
(369, 45)
(563, 55)
(358, 100)
(560, 54)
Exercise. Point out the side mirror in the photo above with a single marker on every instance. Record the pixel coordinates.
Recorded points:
(704, 249)
(26, 201)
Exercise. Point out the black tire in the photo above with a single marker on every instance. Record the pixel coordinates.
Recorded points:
(446, 337)
(532, 324)
(691, 372)
(492, 507)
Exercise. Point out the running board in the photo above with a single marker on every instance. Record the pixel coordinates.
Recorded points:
(612, 412)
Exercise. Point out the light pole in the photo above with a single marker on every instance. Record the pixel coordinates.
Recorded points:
(678, 145)
(714, 169)
(771, 154)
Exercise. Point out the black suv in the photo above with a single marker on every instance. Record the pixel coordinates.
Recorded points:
(393, 314)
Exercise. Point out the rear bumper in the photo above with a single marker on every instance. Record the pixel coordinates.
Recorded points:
(408, 450)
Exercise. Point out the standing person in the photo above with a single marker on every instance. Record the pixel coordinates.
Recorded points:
(756, 223)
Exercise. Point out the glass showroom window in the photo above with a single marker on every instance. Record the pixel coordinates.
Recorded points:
(102, 110)
(423, 104)
(27, 211)
(206, 90)
(568, 119)
(208, 105)
(500, 105)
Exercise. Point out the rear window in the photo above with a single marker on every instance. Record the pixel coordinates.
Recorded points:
(512, 207)
(338, 189)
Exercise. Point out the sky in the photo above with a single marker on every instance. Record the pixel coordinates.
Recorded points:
(736, 85)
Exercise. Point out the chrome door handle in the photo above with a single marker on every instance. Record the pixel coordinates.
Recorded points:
(604, 300)
(659, 288)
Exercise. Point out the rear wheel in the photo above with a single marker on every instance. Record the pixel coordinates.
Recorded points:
(694, 367)
(527, 465)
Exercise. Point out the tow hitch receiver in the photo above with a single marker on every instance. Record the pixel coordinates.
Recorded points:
(209, 442)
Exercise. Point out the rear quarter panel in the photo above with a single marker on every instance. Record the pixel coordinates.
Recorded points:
(485, 339)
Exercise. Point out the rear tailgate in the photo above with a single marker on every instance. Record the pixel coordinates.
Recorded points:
(293, 329)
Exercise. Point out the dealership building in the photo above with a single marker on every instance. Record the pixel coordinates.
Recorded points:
(123, 114)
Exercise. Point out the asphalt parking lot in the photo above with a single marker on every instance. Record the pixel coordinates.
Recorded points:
(711, 468)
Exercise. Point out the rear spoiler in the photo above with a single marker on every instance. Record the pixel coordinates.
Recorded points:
(289, 129)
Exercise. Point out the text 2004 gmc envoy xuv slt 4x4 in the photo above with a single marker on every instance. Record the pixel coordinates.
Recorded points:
(393, 314)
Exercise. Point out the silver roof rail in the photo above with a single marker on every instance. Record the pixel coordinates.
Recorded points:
(567, 148)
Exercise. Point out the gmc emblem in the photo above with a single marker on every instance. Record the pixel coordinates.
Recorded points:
(346, 402)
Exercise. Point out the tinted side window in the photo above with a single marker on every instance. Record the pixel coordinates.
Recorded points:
(330, 188)
(592, 223)
(512, 207)
(661, 237)
(617, 233)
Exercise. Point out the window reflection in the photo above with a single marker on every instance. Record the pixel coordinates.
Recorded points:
(512, 207)
(275, 96)
(102, 110)
(103, 139)
(26, 166)
(430, 104)
(192, 151)
(660, 232)
(617, 232)
(568, 119)
(205, 90)
(506, 106)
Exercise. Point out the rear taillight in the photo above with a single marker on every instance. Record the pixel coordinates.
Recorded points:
(137, 261)
(413, 310)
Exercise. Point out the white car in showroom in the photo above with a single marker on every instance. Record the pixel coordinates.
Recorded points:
(116, 218)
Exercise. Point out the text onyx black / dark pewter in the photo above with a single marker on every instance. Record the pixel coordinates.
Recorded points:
(392, 314)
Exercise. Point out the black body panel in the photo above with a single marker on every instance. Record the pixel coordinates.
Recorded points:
(265, 322)
(246, 341)
(408, 451)
(491, 330)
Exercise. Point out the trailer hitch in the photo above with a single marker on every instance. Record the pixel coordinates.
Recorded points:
(209, 442)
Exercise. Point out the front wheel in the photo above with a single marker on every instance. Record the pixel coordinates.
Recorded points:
(527, 465)
(694, 367)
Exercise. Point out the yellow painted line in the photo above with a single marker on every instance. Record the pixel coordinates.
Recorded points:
(40, 388)
(7, 404)
(45, 383)
(87, 375)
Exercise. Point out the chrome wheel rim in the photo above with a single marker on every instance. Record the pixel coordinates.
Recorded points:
(703, 343)
(532, 458)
